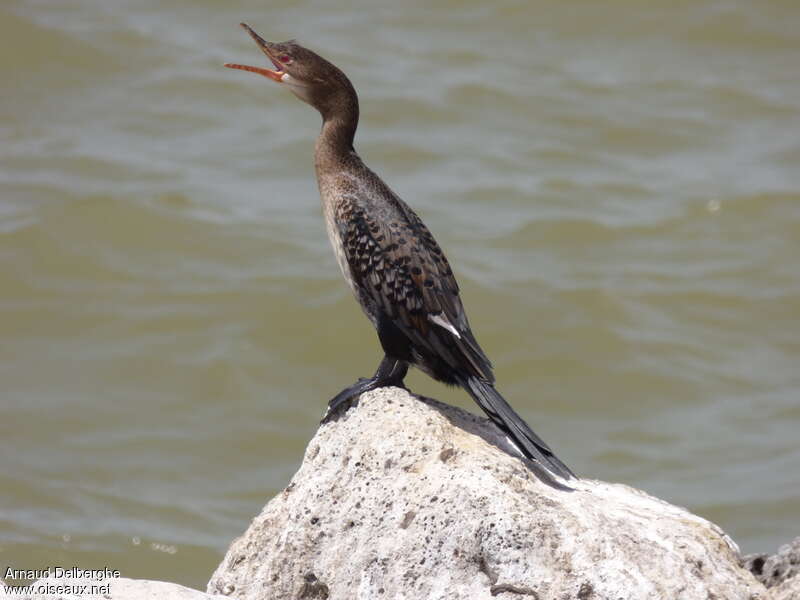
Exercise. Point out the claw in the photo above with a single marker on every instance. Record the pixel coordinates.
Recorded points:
(390, 373)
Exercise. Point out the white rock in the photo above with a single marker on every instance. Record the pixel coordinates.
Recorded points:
(65, 588)
(409, 499)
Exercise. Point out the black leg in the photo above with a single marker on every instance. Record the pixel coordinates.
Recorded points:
(391, 372)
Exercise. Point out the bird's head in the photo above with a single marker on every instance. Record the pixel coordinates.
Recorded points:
(309, 76)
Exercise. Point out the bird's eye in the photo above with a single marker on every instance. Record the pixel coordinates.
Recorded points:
(285, 58)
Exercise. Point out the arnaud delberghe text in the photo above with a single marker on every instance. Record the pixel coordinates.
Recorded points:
(61, 572)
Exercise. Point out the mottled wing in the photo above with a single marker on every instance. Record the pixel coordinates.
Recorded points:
(400, 270)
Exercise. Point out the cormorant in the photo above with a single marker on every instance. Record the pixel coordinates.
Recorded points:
(390, 260)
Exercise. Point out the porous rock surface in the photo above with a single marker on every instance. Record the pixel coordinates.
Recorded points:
(779, 572)
(406, 498)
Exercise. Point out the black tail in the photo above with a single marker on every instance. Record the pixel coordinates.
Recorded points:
(510, 423)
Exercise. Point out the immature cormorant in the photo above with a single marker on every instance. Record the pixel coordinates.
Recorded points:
(395, 268)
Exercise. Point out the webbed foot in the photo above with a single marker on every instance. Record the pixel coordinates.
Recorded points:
(391, 372)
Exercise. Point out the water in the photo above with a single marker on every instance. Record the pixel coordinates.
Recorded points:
(617, 187)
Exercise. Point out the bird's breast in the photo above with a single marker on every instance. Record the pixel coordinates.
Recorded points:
(335, 237)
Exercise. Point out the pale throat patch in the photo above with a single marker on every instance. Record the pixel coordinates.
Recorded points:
(297, 88)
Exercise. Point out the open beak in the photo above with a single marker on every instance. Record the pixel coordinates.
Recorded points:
(275, 75)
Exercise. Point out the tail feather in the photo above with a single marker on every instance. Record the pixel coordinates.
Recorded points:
(520, 434)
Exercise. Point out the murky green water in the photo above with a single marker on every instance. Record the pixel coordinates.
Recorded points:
(617, 185)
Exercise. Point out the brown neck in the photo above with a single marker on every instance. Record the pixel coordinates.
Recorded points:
(339, 122)
(338, 132)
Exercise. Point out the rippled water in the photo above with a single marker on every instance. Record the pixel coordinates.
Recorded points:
(616, 184)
